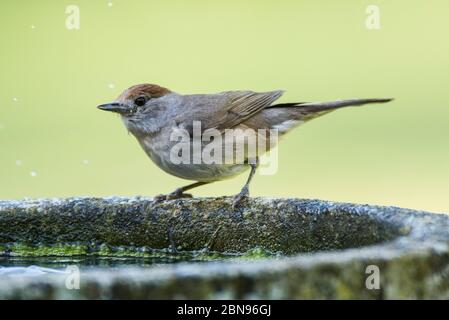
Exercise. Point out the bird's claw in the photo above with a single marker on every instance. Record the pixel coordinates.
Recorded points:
(171, 196)
(159, 198)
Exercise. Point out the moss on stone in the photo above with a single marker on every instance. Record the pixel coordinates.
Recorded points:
(57, 250)
(105, 251)
(259, 253)
(276, 225)
(329, 246)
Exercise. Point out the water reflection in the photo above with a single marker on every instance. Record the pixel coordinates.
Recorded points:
(35, 266)
(27, 271)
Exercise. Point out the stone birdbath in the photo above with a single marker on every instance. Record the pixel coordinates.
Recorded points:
(133, 248)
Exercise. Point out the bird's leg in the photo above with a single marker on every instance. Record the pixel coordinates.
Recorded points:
(245, 190)
(179, 193)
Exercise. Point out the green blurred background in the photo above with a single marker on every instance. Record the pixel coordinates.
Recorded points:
(55, 143)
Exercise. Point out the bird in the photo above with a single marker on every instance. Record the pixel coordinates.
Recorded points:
(152, 113)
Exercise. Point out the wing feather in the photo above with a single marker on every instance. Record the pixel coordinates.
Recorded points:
(242, 105)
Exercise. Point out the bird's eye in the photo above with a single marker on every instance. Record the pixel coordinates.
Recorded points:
(140, 101)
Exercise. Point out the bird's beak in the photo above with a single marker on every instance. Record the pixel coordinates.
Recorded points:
(114, 107)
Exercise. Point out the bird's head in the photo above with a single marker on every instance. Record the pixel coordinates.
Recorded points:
(141, 108)
(135, 100)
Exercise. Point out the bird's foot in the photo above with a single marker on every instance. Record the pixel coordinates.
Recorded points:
(177, 194)
(238, 198)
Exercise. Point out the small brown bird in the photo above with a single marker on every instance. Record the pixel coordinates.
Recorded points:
(152, 113)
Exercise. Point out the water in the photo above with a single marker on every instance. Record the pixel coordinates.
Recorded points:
(37, 266)
(10, 266)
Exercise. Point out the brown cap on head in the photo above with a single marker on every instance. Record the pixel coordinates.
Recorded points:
(146, 89)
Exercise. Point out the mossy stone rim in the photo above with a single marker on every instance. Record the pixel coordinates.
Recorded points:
(409, 246)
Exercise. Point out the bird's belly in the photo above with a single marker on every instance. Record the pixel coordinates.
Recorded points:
(204, 172)
(160, 155)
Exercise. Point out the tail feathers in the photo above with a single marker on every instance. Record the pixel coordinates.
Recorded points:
(287, 116)
(306, 111)
(325, 106)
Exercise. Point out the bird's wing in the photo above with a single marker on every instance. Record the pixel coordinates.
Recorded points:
(227, 109)
(242, 105)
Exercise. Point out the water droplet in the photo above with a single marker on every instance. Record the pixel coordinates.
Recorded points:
(33, 26)
(18, 162)
(33, 173)
(85, 161)
(15, 99)
(111, 86)
(110, 4)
